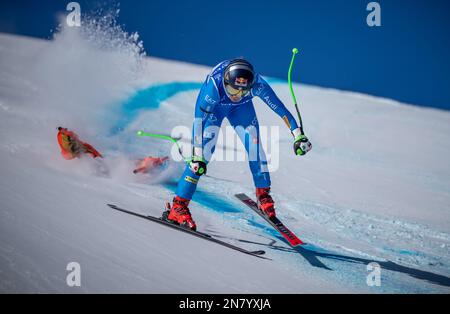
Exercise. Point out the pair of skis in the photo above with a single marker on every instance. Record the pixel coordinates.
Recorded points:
(290, 237)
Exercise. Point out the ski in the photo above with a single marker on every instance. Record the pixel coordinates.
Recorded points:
(198, 234)
(292, 239)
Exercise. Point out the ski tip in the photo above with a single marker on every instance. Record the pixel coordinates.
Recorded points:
(114, 207)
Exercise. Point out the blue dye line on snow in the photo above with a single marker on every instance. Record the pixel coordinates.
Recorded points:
(149, 99)
(404, 252)
(212, 201)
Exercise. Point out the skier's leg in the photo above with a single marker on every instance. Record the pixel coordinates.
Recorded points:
(244, 121)
(187, 184)
(179, 212)
(188, 181)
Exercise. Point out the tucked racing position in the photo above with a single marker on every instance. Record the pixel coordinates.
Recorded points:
(227, 93)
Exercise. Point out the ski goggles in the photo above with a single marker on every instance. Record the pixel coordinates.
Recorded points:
(236, 92)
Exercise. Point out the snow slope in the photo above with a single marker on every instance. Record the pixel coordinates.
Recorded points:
(375, 187)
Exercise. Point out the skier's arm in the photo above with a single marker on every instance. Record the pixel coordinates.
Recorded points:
(207, 99)
(266, 93)
(263, 90)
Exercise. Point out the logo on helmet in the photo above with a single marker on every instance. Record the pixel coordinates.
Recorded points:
(240, 81)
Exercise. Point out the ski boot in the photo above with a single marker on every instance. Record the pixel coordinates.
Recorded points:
(179, 213)
(265, 202)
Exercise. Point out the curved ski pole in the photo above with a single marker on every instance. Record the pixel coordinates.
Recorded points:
(294, 52)
(175, 141)
(163, 137)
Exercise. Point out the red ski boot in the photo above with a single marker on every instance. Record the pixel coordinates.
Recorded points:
(179, 213)
(265, 202)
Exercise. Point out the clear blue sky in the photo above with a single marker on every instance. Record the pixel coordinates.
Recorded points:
(405, 59)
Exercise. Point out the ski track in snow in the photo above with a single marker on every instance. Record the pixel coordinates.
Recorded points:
(342, 240)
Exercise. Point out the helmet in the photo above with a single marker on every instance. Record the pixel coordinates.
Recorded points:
(239, 76)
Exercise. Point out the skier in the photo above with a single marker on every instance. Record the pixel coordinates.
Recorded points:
(72, 147)
(227, 93)
(147, 164)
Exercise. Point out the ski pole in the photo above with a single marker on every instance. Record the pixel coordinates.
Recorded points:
(163, 137)
(294, 52)
(174, 140)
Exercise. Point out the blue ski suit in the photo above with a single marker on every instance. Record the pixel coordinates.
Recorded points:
(213, 105)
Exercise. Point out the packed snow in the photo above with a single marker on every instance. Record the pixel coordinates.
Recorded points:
(375, 187)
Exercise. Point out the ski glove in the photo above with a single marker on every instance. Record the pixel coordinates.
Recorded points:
(302, 145)
(198, 165)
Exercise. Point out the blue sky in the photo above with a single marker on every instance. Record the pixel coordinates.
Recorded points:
(405, 59)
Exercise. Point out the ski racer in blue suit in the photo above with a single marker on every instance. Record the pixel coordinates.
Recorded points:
(227, 93)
